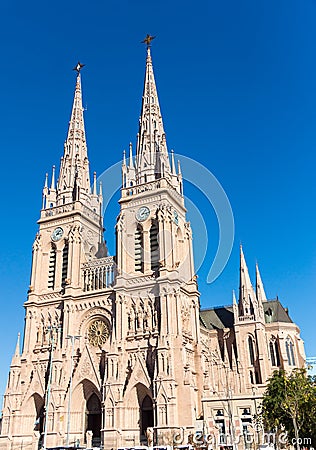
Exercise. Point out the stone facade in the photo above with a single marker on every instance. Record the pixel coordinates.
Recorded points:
(115, 347)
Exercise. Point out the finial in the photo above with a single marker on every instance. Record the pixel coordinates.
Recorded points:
(17, 348)
(46, 180)
(131, 155)
(179, 167)
(261, 295)
(45, 191)
(53, 179)
(124, 158)
(78, 67)
(148, 40)
(173, 166)
(94, 183)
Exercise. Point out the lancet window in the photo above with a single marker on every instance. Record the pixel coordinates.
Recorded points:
(52, 268)
(251, 351)
(64, 264)
(154, 246)
(289, 346)
(139, 250)
(274, 352)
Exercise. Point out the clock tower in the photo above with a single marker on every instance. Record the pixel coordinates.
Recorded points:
(67, 319)
(157, 300)
(70, 226)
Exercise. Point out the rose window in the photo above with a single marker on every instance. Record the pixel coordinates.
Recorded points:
(98, 333)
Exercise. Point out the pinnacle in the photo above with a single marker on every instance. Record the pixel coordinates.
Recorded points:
(151, 154)
(74, 179)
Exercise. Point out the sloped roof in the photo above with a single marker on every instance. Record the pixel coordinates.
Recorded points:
(217, 318)
(221, 317)
(279, 313)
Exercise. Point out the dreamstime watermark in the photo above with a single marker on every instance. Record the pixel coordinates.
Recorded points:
(202, 179)
(248, 438)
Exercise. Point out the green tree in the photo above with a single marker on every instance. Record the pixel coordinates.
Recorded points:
(289, 403)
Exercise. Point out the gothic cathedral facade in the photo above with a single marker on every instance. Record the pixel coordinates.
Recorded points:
(115, 347)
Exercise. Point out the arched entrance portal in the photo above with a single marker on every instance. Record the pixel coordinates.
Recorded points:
(147, 415)
(94, 419)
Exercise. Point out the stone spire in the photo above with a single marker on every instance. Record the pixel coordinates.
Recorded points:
(49, 194)
(16, 359)
(152, 159)
(247, 296)
(173, 165)
(74, 180)
(52, 186)
(235, 308)
(45, 191)
(131, 163)
(260, 292)
(128, 171)
(249, 303)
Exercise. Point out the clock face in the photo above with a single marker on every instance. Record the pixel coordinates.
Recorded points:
(175, 217)
(142, 214)
(57, 234)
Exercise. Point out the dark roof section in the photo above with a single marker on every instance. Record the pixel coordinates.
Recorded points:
(217, 318)
(223, 317)
(275, 312)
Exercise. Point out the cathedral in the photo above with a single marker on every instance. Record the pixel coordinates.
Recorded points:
(117, 351)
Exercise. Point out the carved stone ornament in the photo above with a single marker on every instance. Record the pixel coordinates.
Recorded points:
(98, 333)
(86, 369)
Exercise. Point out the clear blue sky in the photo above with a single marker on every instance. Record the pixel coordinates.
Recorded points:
(237, 88)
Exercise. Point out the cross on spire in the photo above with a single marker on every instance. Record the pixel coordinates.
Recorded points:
(148, 40)
(78, 67)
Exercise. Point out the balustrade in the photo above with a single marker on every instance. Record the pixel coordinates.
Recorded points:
(99, 274)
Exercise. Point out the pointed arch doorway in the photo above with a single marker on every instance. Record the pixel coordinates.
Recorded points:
(93, 419)
(146, 415)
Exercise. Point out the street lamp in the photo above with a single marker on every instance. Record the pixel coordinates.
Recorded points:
(229, 409)
(72, 339)
(51, 330)
(257, 419)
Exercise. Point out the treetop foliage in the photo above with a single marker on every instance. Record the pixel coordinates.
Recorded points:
(289, 403)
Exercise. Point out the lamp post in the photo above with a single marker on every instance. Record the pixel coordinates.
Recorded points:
(229, 408)
(72, 339)
(227, 401)
(257, 420)
(49, 382)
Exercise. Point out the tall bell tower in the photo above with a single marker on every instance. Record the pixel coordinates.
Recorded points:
(70, 231)
(157, 299)
(70, 226)
(69, 259)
